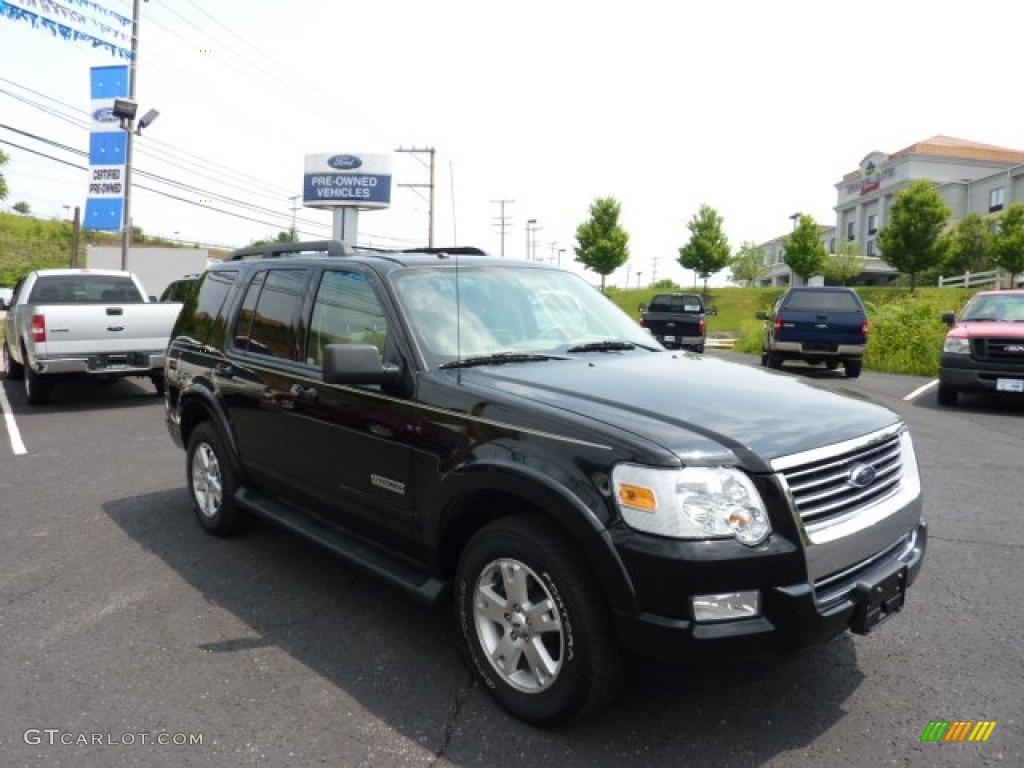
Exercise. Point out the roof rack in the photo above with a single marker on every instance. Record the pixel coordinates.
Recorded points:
(284, 250)
(454, 250)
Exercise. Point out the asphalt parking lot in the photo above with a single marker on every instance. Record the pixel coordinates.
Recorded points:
(132, 638)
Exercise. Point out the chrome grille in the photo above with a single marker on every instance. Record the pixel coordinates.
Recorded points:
(822, 491)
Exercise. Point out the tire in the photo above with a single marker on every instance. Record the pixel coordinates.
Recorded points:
(774, 360)
(519, 570)
(699, 349)
(159, 384)
(12, 370)
(212, 482)
(947, 395)
(852, 368)
(37, 388)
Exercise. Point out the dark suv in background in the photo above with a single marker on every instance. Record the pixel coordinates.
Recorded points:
(819, 325)
(498, 434)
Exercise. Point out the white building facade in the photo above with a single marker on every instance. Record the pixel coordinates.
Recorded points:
(972, 177)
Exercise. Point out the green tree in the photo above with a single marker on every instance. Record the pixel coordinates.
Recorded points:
(22, 207)
(601, 244)
(805, 253)
(748, 265)
(913, 239)
(3, 181)
(969, 245)
(1008, 242)
(845, 264)
(707, 251)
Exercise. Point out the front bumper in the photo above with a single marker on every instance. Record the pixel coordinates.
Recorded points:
(960, 372)
(794, 615)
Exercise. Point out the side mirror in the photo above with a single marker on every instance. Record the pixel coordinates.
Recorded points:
(357, 364)
(949, 317)
(642, 307)
(712, 310)
(761, 315)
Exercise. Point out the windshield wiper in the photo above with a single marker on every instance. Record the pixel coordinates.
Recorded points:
(500, 358)
(608, 345)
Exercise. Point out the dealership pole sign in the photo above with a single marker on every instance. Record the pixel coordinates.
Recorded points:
(347, 181)
(108, 147)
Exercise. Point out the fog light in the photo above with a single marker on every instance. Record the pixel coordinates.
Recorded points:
(727, 607)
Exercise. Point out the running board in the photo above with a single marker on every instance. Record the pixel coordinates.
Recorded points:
(355, 550)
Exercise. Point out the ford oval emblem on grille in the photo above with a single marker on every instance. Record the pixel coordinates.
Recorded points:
(1015, 348)
(344, 162)
(861, 475)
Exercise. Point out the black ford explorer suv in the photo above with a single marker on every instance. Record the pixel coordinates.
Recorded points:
(498, 434)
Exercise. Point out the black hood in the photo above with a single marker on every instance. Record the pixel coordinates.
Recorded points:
(671, 398)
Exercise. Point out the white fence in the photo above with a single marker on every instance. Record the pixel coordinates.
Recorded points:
(994, 277)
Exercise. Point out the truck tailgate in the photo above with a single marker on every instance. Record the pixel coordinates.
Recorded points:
(835, 328)
(75, 329)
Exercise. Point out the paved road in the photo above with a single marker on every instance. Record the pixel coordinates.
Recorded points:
(120, 618)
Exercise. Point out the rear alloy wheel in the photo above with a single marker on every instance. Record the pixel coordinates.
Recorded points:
(852, 368)
(37, 388)
(947, 395)
(533, 629)
(212, 483)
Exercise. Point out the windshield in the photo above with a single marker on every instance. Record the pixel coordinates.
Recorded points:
(508, 309)
(1008, 307)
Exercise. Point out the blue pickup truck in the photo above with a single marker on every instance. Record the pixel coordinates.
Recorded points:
(818, 325)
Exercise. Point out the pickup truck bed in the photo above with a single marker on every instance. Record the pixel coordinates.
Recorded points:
(677, 320)
(99, 323)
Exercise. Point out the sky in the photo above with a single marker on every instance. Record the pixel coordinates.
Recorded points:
(756, 109)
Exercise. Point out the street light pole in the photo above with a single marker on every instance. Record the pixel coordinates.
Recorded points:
(126, 236)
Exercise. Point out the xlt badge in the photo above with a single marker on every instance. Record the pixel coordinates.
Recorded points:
(387, 484)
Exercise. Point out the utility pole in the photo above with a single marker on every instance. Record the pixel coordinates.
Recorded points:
(430, 200)
(294, 232)
(503, 222)
(654, 271)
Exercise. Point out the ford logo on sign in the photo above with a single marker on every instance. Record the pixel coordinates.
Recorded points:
(862, 475)
(344, 162)
(104, 115)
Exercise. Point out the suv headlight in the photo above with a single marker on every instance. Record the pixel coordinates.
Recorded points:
(691, 503)
(957, 346)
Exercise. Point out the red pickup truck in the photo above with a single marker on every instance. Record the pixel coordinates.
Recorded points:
(984, 349)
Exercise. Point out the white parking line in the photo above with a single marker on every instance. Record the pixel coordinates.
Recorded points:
(17, 446)
(921, 390)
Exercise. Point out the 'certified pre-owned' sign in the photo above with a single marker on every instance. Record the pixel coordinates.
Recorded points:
(333, 180)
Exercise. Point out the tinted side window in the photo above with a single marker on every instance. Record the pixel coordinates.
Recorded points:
(276, 313)
(202, 317)
(347, 311)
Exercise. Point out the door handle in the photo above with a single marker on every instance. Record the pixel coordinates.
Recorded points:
(303, 392)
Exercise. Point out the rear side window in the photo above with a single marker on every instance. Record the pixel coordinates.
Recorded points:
(202, 317)
(85, 289)
(268, 322)
(822, 301)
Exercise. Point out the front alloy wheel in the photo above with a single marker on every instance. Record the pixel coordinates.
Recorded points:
(534, 629)
(518, 625)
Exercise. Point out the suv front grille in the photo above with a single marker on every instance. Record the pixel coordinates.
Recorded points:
(823, 489)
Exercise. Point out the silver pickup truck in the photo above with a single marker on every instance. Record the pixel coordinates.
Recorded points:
(64, 323)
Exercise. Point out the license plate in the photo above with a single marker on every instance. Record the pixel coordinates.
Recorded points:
(670, 338)
(880, 595)
(1010, 385)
